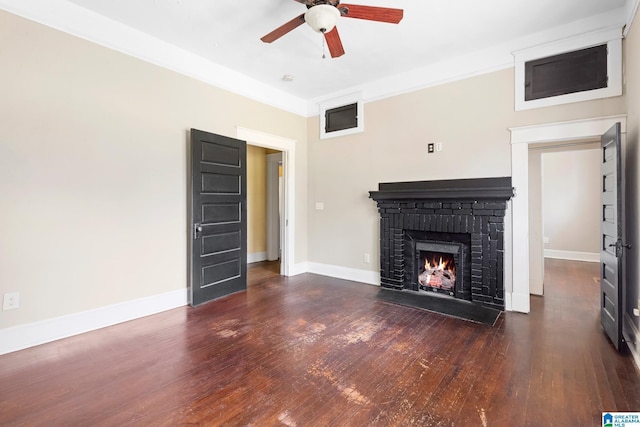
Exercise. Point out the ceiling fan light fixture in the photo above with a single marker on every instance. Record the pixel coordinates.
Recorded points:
(322, 17)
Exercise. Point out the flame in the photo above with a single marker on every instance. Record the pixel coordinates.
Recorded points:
(442, 265)
(438, 267)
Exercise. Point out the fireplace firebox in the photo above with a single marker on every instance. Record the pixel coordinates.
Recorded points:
(437, 262)
(444, 237)
(437, 270)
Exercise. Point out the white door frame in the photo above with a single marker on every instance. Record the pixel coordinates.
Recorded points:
(518, 221)
(288, 148)
(274, 222)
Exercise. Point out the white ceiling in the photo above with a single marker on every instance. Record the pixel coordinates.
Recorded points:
(219, 40)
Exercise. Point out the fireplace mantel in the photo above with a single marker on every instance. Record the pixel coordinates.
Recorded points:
(467, 211)
(460, 189)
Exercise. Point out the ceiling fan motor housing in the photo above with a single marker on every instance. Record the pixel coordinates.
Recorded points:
(322, 17)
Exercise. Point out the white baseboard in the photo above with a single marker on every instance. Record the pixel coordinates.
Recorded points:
(36, 333)
(572, 255)
(517, 302)
(256, 257)
(636, 356)
(300, 268)
(631, 335)
(364, 276)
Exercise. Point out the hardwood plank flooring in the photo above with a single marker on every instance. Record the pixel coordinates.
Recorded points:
(316, 351)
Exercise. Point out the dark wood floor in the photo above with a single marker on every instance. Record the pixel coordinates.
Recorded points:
(315, 351)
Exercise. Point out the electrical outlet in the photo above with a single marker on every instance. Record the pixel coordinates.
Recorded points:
(367, 258)
(430, 147)
(11, 301)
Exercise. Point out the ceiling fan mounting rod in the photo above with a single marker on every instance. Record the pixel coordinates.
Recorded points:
(312, 3)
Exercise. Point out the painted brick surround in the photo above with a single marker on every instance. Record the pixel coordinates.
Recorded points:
(468, 212)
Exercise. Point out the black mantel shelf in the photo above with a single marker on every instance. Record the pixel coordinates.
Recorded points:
(468, 189)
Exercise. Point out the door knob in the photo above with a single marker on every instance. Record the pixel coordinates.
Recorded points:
(197, 229)
(619, 246)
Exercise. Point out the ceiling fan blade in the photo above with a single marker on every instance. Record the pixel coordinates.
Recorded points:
(283, 29)
(372, 13)
(334, 43)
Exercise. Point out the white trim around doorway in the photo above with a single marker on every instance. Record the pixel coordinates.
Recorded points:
(274, 220)
(521, 138)
(288, 148)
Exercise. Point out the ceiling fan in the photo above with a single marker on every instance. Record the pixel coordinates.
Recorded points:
(322, 16)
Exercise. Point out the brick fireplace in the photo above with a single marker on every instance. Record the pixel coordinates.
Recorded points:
(444, 237)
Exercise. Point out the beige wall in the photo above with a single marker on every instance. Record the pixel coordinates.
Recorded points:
(93, 170)
(470, 117)
(256, 199)
(571, 200)
(632, 175)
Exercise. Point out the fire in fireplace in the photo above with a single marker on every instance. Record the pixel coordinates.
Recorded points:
(437, 272)
(440, 263)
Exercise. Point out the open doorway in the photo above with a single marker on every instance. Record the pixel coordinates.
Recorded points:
(274, 204)
(287, 147)
(265, 204)
(517, 295)
(564, 206)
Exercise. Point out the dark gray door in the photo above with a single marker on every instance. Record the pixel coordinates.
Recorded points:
(218, 255)
(611, 245)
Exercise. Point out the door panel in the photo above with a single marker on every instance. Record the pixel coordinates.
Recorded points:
(217, 273)
(219, 183)
(221, 154)
(221, 242)
(218, 259)
(611, 246)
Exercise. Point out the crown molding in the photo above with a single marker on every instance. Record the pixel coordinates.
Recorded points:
(631, 8)
(85, 24)
(73, 19)
(477, 63)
